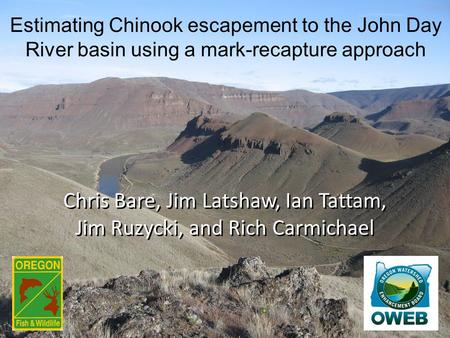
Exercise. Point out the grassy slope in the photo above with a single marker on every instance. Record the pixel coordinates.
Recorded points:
(34, 221)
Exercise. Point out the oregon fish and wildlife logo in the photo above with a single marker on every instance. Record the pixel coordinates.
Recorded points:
(401, 293)
(37, 293)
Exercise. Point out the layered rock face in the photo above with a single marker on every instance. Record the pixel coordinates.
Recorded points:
(196, 131)
(64, 114)
(239, 156)
(245, 301)
(341, 117)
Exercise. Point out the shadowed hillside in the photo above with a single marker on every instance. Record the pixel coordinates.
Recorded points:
(416, 192)
(429, 117)
(352, 132)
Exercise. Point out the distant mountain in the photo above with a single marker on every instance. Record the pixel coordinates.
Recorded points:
(114, 115)
(73, 115)
(415, 109)
(352, 132)
(374, 101)
(429, 117)
(295, 107)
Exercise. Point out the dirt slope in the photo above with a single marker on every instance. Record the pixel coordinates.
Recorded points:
(258, 156)
(428, 117)
(261, 149)
(416, 192)
(415, 109)
(354, 265)
(34, 221)
(352, 132)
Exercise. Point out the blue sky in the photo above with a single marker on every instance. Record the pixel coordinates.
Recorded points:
(321, 75)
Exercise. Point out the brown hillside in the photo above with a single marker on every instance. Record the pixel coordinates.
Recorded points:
(196, 131)
(138, 109)
(428, 117)
(352, 132)
(416, 192)
(415, 109)
(261, 149)
(374, 101)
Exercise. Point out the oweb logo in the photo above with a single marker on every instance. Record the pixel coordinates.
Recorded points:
(401, 293)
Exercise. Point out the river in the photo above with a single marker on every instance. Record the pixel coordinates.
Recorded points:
(110, 174)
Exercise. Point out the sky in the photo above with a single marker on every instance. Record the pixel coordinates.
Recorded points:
(317, 74)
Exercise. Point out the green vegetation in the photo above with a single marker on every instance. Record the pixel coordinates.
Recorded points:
(391, 289)
(411, 293)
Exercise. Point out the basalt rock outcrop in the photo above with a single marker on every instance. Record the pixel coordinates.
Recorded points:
(152, 304)
(341, 117)
(245, 271)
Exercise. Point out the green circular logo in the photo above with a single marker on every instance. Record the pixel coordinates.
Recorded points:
(401, 287)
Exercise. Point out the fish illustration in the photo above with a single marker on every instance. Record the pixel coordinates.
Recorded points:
(25, 285)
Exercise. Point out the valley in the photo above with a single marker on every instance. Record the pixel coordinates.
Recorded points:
(296, 178)
(181, 139)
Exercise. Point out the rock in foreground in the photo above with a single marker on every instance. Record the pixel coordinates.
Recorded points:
(244, 301)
